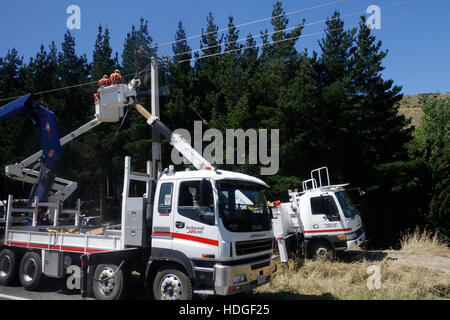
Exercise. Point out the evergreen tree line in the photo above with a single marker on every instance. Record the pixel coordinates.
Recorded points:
(332, 108)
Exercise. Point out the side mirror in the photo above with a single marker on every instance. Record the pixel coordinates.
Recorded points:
(273, 213)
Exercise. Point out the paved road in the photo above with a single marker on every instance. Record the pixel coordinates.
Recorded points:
(56, 289)
(52, 290)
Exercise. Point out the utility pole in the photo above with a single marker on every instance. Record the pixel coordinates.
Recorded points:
(156, 137)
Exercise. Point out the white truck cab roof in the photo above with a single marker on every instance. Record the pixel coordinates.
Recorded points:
(212, 174)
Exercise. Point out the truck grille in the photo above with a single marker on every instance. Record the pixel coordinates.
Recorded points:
(253, 246)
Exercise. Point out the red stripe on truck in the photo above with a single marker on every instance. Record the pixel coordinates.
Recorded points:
(188, 237)
(52, 247)
(328, 230)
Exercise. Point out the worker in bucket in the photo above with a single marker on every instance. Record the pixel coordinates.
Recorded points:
(116, 78)
(103, 82)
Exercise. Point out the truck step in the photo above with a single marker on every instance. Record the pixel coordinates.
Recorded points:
(204, 292)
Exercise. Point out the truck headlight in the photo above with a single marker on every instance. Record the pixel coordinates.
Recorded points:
(239, 278)
(349, 236)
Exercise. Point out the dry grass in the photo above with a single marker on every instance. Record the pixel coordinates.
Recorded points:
(347, 277)
(342, 280)
(426, 241)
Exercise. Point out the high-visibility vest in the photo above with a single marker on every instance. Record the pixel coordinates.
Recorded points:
(115, 78)
(104, 82)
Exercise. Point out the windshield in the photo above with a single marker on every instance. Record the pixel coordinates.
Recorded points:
(347, 205)
(243, 206)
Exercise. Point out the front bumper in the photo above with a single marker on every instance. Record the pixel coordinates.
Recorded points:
(257, 273)
(356, 242)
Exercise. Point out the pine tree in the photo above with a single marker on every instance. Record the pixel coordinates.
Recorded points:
(276, 72)
(206, 69)
(102, 63)
(376, 101)
(16, 135)
(231, 114)
(285, 41)
(327, 127)
(137, 49)
(11, 75)
(135, 137)
(180, 83)
(73, 70)
(277, 63)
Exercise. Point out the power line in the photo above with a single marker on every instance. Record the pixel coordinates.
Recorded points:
(188, 38)
(416, 12)
(246, 24)
(60, 89)
(307, 35)
(248, 47)
(285, 29)
(263, 34)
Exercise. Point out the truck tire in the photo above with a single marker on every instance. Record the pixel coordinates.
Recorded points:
(172, 283)
(109, 283)
(321, 249)
(30, 271)
(8, 267)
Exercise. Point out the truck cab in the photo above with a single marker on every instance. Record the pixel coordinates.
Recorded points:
(330, 219)
(216, 224)
(323, 214)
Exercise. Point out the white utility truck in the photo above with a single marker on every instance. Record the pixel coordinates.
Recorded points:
(203, 231)
(317, 221)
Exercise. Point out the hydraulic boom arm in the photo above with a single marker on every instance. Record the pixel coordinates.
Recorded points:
(45, 124)
(176, 140)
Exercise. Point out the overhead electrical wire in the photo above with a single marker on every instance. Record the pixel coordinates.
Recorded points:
(306, 35)
(253, 46)
(188, 38)
(285, 29)
(246, 24)
(60, 89)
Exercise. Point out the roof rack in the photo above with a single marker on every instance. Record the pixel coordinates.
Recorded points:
(313, 182)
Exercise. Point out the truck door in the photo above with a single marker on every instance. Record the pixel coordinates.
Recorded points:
(162, 230)
(324, 215)
(196, 233)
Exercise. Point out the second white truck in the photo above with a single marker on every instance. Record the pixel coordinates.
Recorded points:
(317, 221)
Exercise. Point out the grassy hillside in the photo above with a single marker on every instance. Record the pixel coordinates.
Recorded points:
(411, 105)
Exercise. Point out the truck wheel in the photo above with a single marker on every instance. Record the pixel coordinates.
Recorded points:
(322, 250)
(171, 283)
(30, 271)
(109, 283)
(8, 267)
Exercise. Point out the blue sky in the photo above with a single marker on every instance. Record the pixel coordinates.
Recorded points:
(419, 44)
